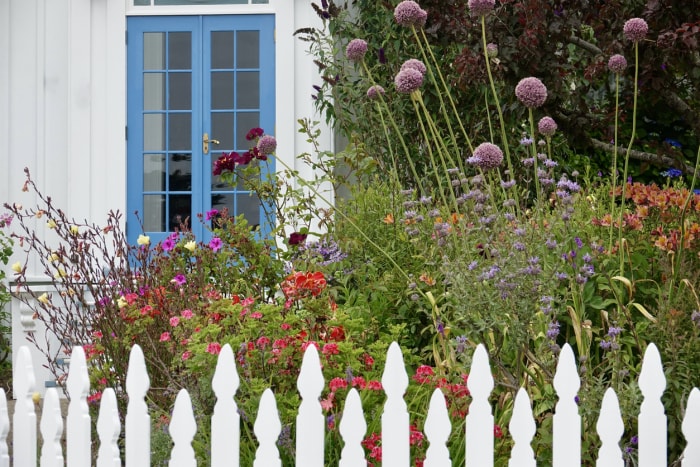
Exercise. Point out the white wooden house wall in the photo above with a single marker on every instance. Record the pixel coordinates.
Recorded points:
(63, 104)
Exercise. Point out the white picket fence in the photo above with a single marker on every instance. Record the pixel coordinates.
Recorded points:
(225, 429)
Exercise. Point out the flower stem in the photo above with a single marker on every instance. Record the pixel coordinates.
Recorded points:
(613, 174)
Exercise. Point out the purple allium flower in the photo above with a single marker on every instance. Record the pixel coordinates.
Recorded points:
(531, 92)
(617, 64)
(408, 80)
(481, 7)
(374, 91)
(547, 126)
(492, 50)
(409, 13)
(215, 244)
(267, 145)
(635, 29)
(415, 64)
(356, 50)
(486, 156)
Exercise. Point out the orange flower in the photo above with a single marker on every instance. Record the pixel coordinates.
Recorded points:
(389, 219)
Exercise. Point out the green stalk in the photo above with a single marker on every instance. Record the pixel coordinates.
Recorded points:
(444, 86)
(398, 132)
(533, 151)
(614, 167)
(388, 142)
(430, 150)
(627, 157)
(504, 138)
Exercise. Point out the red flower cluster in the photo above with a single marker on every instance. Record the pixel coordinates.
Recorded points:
(300, 285)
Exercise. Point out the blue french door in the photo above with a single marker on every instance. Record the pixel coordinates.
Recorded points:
(196, 86)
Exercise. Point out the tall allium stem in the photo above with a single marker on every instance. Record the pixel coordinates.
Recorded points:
(627, 158)
(398, 132)
(430, 150)
(614, 166)
(504, 138)
(444, 87)
(533, 151)
(395, 178)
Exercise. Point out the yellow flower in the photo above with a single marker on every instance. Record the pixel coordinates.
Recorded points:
(36, 397)
(51, 224)
(74, 229)
(191, 245)
(43, 298)
(60, 273)
(17, 267)
(143, 240)
(53, 257)
(121, 302)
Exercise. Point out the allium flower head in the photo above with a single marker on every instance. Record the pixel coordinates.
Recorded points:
(481, 7)
(267, 145)
(531, 92)
(409, 13)
(617, 64)
(492, 50)
(547, 126)
(486, 156)
(408, 80)
(356, 50)
(374, 91)
(415, 64)
(635, 29)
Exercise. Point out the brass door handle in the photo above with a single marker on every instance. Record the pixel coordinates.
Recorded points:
(206, 141)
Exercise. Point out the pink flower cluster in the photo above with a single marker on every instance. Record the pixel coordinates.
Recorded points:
(356, 50)
(487, 156)
(531, 92)
(409, 13)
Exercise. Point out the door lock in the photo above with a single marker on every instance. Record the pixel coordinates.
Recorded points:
(206, 141)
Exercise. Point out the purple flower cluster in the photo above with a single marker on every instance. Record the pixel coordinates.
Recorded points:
(409, 13)
(374, 91)
(547, 126)
(531, 92)
(492, 50)
(267, 145)
(617, 64)
(408, 80)
(356, 50)
(481, 7)
(486, 156)
(635, 29)
(415, 64)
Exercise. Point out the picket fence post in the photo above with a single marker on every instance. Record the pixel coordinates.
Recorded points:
(137, 434)
(395, 423)
(182, 429)
(78, 430)
(610, 428)
(479, 422)
(51, 430)
(691, 430)
(437, 430)
(225, 421)
(652, 418)
(522, 428)
(267, 428)
(4, 430)
(309, 452)
(353, 428)
(24, 418)
(108, 429)
(566, 436)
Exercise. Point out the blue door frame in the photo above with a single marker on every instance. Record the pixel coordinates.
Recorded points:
(190, 76)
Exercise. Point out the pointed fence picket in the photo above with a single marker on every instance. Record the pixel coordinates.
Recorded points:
(225, 430)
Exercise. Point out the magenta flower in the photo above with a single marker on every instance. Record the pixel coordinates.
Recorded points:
(179, 280)
(635, 29)
(254, 133)
(481, 7)
(214, 348)
(215, 244)
(547, 126)
(297, 238)
(187, 314)
(168, 244)
(267, 145)
(356, 50)
(415, 64)
(374, 91)
(408, 80)
(409, 13)
(165, 337)
(212, 214)
(617, 64)
(486, 156)
(531, 92)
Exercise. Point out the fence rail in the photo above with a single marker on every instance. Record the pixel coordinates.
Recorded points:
(225, 422)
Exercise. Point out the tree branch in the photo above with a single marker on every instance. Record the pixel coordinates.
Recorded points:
(690, 116)
(585, 45)
(646, 156)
